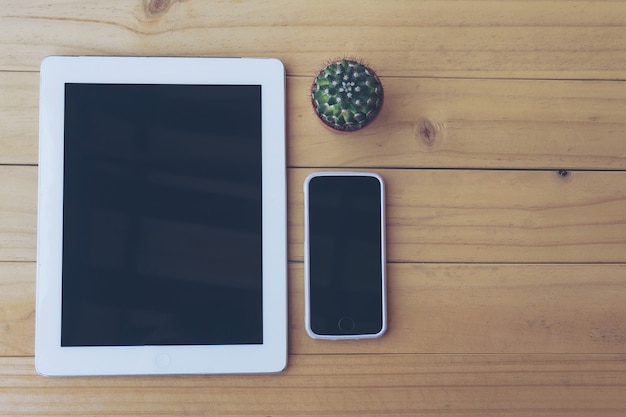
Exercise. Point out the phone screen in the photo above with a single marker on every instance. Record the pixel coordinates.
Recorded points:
(345, 255)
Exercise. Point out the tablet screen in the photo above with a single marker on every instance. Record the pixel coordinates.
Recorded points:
(162, 215)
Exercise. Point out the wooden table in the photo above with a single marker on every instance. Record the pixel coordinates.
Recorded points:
(503, 145)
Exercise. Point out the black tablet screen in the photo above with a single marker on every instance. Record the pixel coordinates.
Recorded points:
(162, 215)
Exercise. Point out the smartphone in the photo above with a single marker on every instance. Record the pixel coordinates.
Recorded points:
(344, 255)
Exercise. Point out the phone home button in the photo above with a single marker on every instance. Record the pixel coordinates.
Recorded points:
(345, 324)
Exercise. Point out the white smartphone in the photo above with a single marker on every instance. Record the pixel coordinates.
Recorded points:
(344, 255)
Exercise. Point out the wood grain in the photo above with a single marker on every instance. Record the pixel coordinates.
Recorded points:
(449, 123)
(433, 308)
(17, 308)
(364, 385)
(433, 215)
(425, 123)
(19, 121)
(18, 213)
(473, 308)
(478, 39)
(493, 216)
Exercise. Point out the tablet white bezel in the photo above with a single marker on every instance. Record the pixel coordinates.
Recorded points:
(50, 357)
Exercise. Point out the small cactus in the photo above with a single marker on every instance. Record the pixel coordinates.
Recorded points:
(347, 95)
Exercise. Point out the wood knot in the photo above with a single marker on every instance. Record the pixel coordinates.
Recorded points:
(156, 8)
(564, 174)
(426, 132)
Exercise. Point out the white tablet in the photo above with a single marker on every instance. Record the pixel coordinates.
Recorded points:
(162, 216)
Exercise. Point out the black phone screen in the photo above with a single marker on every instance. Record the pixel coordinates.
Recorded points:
(346, 265)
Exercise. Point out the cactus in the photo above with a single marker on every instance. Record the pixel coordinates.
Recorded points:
(347, 95)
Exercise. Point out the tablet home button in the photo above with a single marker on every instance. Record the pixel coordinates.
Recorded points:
(162, 360)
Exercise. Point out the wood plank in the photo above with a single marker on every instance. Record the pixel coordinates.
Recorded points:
(448, 123)
(19, 121)
(433, 215)
(433, 308)
(416, 385)
(469, 308)
(513, 39)
(493, 216)
(17, 308)
(472, 124)
(18, 213)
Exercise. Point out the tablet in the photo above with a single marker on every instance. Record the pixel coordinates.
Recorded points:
(162, 216)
